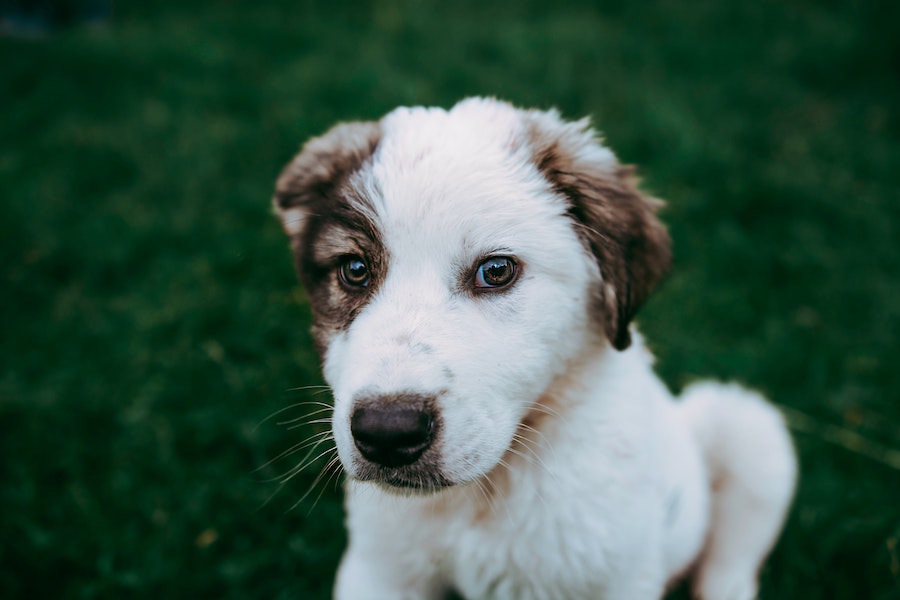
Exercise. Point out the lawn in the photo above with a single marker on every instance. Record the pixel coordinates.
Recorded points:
(151, 322)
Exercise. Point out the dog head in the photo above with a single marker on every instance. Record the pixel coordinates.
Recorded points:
(456, 263)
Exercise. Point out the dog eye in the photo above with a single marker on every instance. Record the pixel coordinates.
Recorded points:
(353, 272)
(496, 272)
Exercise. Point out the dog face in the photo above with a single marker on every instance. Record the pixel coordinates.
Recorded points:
(452, 260)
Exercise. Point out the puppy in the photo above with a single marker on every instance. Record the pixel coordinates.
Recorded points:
(473, 275)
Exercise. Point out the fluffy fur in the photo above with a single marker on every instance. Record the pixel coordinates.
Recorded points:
(535, 453)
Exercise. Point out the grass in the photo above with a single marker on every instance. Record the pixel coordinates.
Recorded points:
(151, 321)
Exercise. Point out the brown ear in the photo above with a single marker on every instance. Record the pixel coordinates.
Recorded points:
(321, 168)
(616, 221)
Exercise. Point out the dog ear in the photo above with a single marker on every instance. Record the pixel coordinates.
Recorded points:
(320, 169)
(614, 219)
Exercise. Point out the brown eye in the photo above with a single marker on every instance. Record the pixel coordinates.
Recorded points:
(354, 272)
(496, 272)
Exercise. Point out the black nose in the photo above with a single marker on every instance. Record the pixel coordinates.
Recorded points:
(392, 435)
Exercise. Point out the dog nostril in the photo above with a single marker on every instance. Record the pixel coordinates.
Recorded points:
(391, 436)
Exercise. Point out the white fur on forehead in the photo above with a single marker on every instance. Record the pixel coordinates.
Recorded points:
(486, 132)
(473, 136)
(474, 121)
(433, 163)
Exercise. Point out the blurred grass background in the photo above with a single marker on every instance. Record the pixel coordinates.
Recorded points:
(151, 320)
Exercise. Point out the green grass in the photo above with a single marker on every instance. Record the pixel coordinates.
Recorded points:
(151, 321)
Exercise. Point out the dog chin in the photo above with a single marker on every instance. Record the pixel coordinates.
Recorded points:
(405, 482)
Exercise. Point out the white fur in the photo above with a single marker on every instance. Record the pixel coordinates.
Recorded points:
(620, 488)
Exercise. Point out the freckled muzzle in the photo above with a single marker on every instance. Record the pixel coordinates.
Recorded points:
(393, 431)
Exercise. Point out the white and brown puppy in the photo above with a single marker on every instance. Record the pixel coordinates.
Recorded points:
(473, 274)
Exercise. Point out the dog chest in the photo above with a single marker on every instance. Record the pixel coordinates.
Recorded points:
(550, 541)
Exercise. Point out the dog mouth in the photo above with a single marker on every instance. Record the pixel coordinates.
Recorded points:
(404, 480)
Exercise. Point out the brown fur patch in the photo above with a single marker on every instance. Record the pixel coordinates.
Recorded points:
(326, 220)
(616, 221)
(324, 163)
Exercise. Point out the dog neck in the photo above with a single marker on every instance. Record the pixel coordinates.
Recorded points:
(588, 388)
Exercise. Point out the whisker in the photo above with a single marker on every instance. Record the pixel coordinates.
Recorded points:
(314, 441)
(547, 410)
(300, 467)
(298, 447)
(534, 458)
(315, 413)
(305, 416)
(495, 492)
(486, 494)
(287, 408)
(325, 420)
(335, 464)
(329, 468)
(303, 388)
(532, 455)
(535, 431)
(314, 483)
